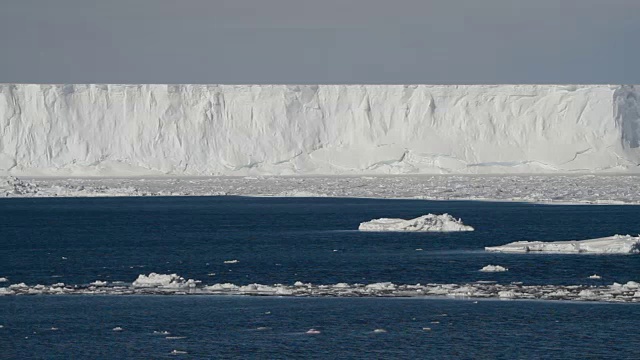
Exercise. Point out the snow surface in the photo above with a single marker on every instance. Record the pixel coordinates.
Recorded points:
(172, 284)
(429, 222)
(134, 130)
(583, 189)
(617, 244)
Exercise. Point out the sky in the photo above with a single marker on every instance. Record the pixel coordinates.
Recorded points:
(320, 42)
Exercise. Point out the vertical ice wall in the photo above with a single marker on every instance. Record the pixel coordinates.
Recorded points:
(317, 129)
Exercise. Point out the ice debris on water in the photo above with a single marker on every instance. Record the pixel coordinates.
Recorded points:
(118, 328)
(595, 277)
(429, 222)
(172, 284)
(231, 261)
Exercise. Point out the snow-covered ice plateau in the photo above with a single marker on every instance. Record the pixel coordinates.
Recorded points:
(212, 130)
(172, 284)
(617, 244)
(429, 222)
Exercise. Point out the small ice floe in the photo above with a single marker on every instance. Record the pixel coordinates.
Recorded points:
(426, 329)
(175, 337)
(379, 331)
(3, 279)
(177, 352)
(494, 268)
(231, 261)
(429, 222)
(161, 333)
(312, 331)
(335, 250)
(170, 281)
(64, 258)
(263, 328)
(595, 277)
(267, 312)
(418, 249)
(118, 328)
(435, 322)
(617, 244)
(98, 283)
(54, 328)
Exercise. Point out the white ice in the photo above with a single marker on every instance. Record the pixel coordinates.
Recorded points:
(617, 244)
(154, 280)
(494, 268)
(207, 130)
(579, 189)
(429, 222)
(628, 292)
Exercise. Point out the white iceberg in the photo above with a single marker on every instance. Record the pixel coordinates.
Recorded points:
(154, 280)
(429, 222)
(617, 244)
(210, 129)
(494, 268)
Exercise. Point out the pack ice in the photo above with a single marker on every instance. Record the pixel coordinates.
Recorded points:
(429, 222)
(617, 244)
(132, 130)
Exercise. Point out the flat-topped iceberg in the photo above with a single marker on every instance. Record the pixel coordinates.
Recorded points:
(617, 244)
(429, 222)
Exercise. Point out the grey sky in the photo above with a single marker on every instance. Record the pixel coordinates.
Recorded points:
(320, 41)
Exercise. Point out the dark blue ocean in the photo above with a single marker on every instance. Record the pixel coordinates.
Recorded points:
(283, 240)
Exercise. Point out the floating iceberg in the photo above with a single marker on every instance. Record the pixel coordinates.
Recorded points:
(430, 222)
(494, 268)
(617, 244)
(154, 280)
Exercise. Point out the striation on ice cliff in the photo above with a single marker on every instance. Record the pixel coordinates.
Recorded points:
(129, 130)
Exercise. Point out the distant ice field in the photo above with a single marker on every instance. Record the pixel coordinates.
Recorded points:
(558, 189)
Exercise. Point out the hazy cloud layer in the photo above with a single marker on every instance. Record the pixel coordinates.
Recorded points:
(328, 41)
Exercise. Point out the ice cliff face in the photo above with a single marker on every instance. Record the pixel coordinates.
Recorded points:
(327, 129)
